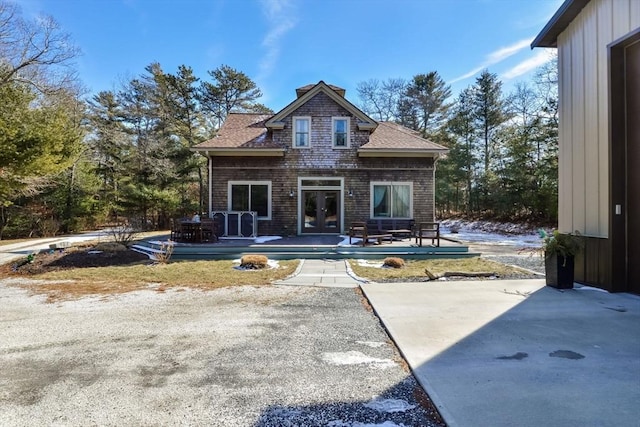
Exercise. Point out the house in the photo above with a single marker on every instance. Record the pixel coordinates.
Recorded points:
(598, 44)
(316, 166)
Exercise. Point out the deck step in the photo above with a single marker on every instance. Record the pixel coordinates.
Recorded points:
(282, 252)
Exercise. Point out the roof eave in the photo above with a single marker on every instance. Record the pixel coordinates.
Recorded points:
(386, 152)
(275, 125)
(240, 152)
(367, 126)
(567, 12)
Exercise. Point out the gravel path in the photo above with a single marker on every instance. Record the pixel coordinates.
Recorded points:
(244, 356)
(533, 263)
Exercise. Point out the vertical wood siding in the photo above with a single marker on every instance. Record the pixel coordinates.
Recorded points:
(584, 113)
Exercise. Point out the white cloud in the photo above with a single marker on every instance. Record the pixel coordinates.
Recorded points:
(495, 57)
(505, 52)
(281, 19)
(541, 57)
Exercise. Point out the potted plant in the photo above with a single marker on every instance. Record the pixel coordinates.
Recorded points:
(560, 250)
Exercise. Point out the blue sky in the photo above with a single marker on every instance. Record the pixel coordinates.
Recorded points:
(284, 44)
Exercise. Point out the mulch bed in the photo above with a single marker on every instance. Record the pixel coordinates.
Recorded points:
(75, 257)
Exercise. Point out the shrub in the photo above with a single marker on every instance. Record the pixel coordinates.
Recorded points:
(49, 227)
(254, 261)
(393, 262)
(166, 250)
(124, 233)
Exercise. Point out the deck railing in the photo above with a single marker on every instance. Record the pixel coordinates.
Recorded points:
(236, 223)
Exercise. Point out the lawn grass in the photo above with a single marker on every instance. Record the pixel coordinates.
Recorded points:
(204, 275)
(415, 269)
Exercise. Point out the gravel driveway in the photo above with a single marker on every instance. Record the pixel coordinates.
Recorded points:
(243, 356)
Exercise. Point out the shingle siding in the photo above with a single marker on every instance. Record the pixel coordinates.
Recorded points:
(357, 179)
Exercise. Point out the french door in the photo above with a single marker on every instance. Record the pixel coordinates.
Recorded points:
(320, 211)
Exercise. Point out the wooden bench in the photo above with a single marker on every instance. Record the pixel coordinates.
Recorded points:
(360, 230)
(397, 227)
(428, 230)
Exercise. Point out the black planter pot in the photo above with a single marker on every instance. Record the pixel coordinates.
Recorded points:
(559, 271)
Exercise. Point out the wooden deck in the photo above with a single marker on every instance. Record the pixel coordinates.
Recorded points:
(309, 247)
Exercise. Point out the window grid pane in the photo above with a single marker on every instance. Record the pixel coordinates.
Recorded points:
(240, 197)
(340, 133)
(302, 132)
(260, 199)
(401, 201)
(381, 201)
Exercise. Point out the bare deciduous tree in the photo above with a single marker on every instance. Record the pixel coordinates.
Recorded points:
(381, 99)
(37, 53)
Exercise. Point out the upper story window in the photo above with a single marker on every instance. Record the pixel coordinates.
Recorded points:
(340, 132)
(301, 132)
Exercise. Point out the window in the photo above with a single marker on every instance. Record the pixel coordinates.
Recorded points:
(251, 196)
(340, 135)
(301, 131)
(391, 200)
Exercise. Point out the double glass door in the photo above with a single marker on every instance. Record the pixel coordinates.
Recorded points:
(320, 211)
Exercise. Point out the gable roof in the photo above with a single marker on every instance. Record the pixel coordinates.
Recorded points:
(248, 134)
(305, 93)
(243, 133)
(391, 139)
(559, 22)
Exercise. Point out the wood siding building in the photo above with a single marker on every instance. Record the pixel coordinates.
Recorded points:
(318, 165)
(598, 44)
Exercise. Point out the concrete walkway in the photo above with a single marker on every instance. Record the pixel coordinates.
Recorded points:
(518, 353)
(326, 273)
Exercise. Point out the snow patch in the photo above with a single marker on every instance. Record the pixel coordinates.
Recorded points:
(356, 358)
(345, 241)
(389, 405)
(507, 234)
(372, 344)
(264, 239)
(368, 263)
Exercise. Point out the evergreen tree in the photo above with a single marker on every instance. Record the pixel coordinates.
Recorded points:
(463, 148)
(230, 90)
(424, 106)
(490, 114)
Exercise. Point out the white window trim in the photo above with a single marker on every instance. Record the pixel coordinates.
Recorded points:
(293, 131)
(333, 132)
(230, 184)
(371, 209)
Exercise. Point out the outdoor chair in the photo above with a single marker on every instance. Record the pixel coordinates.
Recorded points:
(358, 230)
(176, 230)
(208, 227)
(428, 230)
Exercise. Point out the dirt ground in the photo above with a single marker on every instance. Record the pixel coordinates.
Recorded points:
(74, 257)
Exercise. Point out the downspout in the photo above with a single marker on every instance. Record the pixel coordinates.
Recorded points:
(210, 166)
(433, 179)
